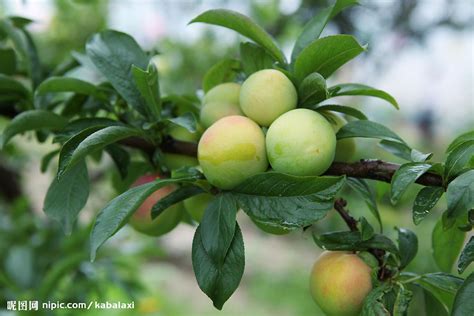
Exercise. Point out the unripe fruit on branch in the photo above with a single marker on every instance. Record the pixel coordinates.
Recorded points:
(340, 281)
(345, 148)
(196, 205)
(225, 92)
(266, 95)
(220, 101)
(232, 150)
(301, 142)
(213, 111)
(166, 221)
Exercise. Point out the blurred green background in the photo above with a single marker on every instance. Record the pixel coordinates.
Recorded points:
(420, 51)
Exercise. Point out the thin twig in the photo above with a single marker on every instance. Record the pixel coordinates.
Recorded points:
(339, 206)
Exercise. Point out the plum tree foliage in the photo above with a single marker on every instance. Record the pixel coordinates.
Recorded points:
(263, 140)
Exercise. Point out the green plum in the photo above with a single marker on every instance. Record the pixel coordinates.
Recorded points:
(182, 134)
(176, 161)
(196, 205)
(266, 95)
(228, 92)
(213, 111)
(232, 150)
(345, 148)
(301, 142)
(165, 222)
(339, 283)
(220, 101)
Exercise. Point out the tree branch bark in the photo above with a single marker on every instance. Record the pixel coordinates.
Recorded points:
(339, 206)
(363, 169)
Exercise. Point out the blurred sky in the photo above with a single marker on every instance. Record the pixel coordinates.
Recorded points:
(435, 76)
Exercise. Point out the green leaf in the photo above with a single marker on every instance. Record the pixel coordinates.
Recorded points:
(67, 150)
(404, 177)
(67, 196)
(254, 58)
(61, 268)
(463, 303)
(117, 212)
(408, 246)
(114, 53)
(352, 240)
(403, 151)
(467, 256)
(178, 195)
(367, 129)
(402, 302)
(374, 302)
(224, 71)
(148, 85)
(219, 281)
(366, 230)
(326, 55)
(65, 84)
(98, 140)
(25, 46)
(459, 158)
(32, 120)
(120, 157)
(287, 201)
(361, 187)
(218, 226)
(20, 21)
(47, 159)
(315, 26)
(342, 109)
(460, 195)
(433, 307)
(425, 200)
(447, 245)
(9, 85)
(442, 286)
(187, 120)
(243, 25)
(7, 61)
(362, 90)
(468, 136)
(397, 149)
(418, 156)
(78, 125)
(312, 90)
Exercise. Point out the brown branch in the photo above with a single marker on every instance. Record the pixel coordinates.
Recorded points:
(339, 206)
(379, 254)
(171, 145)
(363, 169)
(378, 170)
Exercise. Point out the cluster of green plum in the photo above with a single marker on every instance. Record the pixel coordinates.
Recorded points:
(235, 146)
(246, 128)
